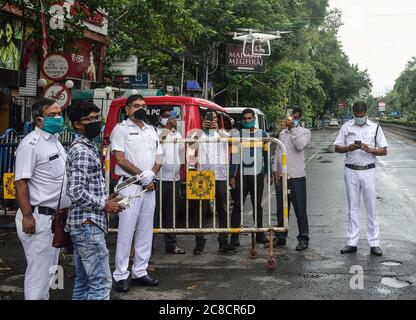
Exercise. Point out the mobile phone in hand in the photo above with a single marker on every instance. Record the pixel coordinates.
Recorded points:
(357, 142)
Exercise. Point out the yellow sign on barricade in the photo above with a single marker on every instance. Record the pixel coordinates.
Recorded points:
(9, 189)
(200, 185)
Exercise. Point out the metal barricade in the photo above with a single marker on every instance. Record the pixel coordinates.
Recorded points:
(243, 227)
(9, 142)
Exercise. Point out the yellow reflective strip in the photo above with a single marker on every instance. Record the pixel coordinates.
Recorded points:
(285, 212)
(107, 165)
(235, 230)
(284, 159)
(266, 147)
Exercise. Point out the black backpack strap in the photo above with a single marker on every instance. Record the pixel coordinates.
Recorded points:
(375, 137)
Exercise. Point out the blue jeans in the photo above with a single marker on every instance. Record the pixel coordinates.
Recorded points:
(92, 266)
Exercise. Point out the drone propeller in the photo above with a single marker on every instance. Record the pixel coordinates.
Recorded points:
(278, 32)
(247, 30)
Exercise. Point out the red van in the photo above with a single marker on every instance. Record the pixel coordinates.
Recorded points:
(188, 113)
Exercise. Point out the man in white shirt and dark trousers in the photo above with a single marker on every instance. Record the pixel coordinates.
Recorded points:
(296, 140)
(138, 152)
(167, 177)
(40, 170)
(362, 140)
(213, 156)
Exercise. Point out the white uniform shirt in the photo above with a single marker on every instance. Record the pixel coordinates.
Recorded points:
(171, 159)
(140, 146)
(41, 158)
(351, 132)
(213, 156)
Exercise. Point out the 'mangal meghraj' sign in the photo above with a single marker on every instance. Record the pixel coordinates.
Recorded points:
(236, 61)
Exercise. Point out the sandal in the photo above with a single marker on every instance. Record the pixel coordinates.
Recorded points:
(176, 250)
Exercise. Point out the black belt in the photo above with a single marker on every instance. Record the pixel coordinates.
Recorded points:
(44, 210)
(354, 167)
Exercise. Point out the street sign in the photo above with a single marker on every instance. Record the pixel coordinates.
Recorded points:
(126, 66)
(381, 106)
(236, 61)
(141, 81)
(58, 92)
(55, 66)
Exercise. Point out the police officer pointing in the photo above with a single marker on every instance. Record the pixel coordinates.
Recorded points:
(40, 168)
(137, 151)
(362, 140)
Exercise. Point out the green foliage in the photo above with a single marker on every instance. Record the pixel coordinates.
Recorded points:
(307, 68)
(403, 96)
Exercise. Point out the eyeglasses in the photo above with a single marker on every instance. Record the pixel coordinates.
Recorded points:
(91, 119)
(137, 105)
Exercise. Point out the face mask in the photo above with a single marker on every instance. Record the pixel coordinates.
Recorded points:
(249, 125)
(296, 122)
(92, 129)
(164, 121)
(360, 121)
(140, 114)
(53, 125)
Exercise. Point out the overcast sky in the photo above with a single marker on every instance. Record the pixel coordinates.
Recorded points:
(378, 35)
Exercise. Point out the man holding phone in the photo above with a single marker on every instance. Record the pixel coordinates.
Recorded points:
(362, 140)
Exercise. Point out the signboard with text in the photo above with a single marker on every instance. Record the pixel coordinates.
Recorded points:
(141, 81)
(126, 66)
(55, 66)
(381, 106)
(236, 61)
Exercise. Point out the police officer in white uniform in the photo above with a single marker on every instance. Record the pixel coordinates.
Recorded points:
(137, 150)
(40, 168)
(362, 140)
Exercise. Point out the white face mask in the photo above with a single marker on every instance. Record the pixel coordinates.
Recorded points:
(360, 121)
(164, 121)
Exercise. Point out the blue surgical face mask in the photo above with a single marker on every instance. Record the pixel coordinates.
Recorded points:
(53, 125)
(296, 122)
(248, 125)
(360, 121)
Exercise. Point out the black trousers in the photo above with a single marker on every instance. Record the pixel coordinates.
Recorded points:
(221, 190)
(297, 198)
(248, 188)
(167, 211)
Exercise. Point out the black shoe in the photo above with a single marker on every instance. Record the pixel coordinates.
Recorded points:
(376, 251)
(261, 238)
(348, 249)
(199, 248)
(144, 281)
(301, 246)
(122, 286)
(235, 241)
(226, 248)
(277, 242)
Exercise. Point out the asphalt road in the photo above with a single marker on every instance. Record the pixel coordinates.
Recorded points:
(319, 272)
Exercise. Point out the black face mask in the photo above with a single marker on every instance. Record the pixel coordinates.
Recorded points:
(140, 114)
(92, 129)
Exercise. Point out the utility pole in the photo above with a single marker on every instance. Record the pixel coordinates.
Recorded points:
(183, 74)
(206, 80)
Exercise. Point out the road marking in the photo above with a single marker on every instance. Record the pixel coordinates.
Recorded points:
(313, 156)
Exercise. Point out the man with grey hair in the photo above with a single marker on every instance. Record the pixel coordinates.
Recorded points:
(39, 175)
(362, 141)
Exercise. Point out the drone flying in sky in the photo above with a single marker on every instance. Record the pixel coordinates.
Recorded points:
(260, 42)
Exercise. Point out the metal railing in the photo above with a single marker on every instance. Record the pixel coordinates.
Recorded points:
(243, 226)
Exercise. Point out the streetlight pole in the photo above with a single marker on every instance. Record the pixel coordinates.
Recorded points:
(183, 74)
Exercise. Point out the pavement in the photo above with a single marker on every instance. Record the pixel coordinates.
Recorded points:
(320, 272)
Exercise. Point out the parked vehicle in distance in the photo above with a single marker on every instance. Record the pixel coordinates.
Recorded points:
(333, 122)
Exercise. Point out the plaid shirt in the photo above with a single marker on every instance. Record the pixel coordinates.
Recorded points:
(86, 186)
